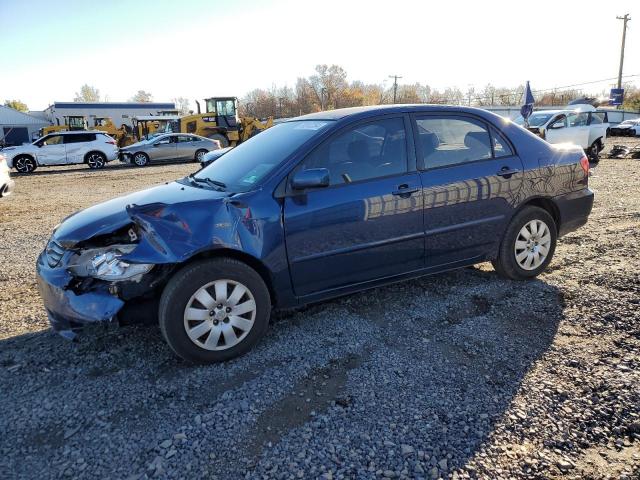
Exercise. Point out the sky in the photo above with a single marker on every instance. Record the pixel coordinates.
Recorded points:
(203, 48)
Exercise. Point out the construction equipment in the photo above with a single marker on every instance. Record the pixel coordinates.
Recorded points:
(71, 122)
(220, 122)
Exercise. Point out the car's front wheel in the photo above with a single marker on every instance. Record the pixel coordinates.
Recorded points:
(528, 244)
(25, 164)
(214, 310)
(96, 160)
(141, 159)
(199, 155)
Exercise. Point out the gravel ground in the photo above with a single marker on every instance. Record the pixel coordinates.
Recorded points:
(460, 375)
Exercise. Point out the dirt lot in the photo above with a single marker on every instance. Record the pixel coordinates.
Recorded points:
(461, 375)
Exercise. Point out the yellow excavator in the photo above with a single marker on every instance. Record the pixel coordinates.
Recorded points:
(220, 122)
(71, 122)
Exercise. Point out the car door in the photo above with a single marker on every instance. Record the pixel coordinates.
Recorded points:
(471, 178)
(570, 128)
(367, 223)
(76, 146)
(163, 148)
(185, 147)
(52, 150)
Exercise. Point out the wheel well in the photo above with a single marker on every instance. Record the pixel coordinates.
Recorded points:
(548, 205)
(252, 262)
(86, 155)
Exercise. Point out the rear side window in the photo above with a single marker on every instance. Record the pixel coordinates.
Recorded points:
(79, 138)
(501, 147)
(367, 151)
(185, 139)
(447, 140)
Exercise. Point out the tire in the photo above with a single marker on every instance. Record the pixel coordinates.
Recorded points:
(25, 164)
(508, 264)
(140, 159)
(594, 152)
(95, 160)
(224, 142)
(217, 334)
(199, 155)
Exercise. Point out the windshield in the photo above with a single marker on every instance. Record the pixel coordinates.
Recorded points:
(244, 166)
(535, 120)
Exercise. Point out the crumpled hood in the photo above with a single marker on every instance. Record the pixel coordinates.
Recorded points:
(113, 214)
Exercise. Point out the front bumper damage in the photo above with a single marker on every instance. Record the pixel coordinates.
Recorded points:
(190, 227)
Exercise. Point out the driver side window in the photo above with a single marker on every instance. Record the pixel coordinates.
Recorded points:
(53, 140)
(367, 151)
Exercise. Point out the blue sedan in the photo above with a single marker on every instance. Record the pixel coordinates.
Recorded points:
(316, 207)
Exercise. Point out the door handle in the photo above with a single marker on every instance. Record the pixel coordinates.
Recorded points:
(404, 191)
(506, 172)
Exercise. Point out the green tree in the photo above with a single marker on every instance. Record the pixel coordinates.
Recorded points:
(87, 93)
(16, 105)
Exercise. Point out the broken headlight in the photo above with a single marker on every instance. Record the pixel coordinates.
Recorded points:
(106, 264)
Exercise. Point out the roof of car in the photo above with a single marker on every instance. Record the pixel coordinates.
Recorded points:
(77, 132)
(372, 110)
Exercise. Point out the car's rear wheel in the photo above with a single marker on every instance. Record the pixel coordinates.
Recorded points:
(528, 244)
(199, 155)
(224, 143)
(96, 160)
(214, 310)
(141, 159)
(25, 164)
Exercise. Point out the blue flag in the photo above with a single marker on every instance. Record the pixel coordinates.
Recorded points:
(527, 109)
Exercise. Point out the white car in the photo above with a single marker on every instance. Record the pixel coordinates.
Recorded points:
(63, 148)
(628, 128)
(6, 184)
(586, 128)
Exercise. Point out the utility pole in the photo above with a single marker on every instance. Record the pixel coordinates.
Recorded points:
(625, 19)
(395, 85)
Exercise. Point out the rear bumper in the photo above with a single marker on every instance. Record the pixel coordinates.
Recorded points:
(574, 208)
(68, 311)
(7, 188)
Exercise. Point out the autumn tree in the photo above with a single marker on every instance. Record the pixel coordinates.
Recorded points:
(16, 105)
(87, 93)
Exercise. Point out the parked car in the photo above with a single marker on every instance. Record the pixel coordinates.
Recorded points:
(6, 184)
(316, 207)
(63, 148)
(627, 128)
(588, 129)
(168, 147)
(210, 157)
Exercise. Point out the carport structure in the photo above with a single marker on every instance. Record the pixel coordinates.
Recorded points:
(17, 127)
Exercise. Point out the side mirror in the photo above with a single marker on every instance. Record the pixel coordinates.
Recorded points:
(312, 178)
(556, 126)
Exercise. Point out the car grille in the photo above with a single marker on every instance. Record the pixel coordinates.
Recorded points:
(54, 253)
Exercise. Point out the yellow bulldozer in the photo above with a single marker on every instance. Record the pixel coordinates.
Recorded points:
(220, 122)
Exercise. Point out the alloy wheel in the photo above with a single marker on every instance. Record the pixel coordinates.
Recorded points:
(220, 315)
(140, 159)
(532, 244)
(24, 165)
(199, 155)
(95, 160)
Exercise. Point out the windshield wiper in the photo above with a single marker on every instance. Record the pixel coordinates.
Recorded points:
(208, 181)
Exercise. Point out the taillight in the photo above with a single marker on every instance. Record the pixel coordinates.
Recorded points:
(584, 163)
(111, 142)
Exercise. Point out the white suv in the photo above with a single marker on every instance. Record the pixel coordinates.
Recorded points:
(63, 148)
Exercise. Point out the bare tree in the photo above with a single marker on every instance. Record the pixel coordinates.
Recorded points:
(142, 97)
(182, 105)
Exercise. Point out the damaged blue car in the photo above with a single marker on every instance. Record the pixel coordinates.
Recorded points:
(315, 207)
